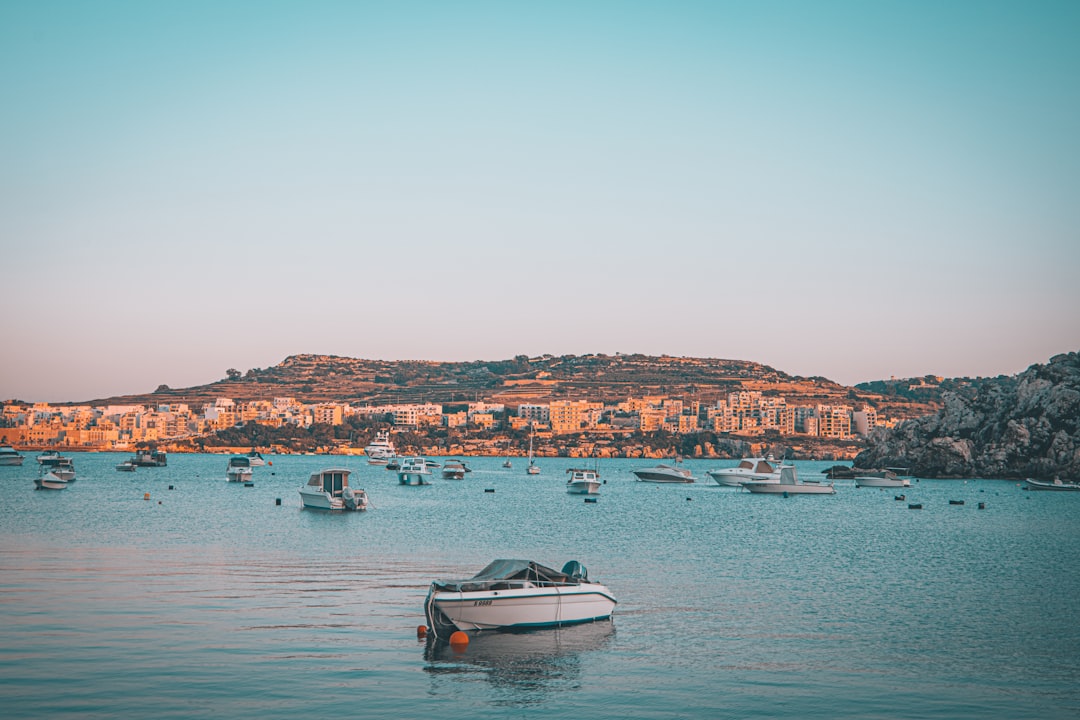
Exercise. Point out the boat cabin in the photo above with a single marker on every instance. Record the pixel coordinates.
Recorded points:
(333, 481)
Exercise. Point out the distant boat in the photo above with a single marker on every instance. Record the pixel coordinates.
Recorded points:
(665, 474)
(239, 469)
(58, 477)
(760, 469)
(583, 481)
(49, 458)
(508, 464)
(882, 478)
(381, 449)
(10, 456)
(414, 471)
(255, 458)
(454, 470)
(1055, 484)
(149, 458)
(127, 466)
(329, 490)
(533, 468)
(790, 485)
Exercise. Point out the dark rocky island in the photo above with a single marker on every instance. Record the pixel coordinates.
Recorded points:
(1027, 425)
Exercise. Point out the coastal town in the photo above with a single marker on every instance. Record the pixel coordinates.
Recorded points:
(630, 428)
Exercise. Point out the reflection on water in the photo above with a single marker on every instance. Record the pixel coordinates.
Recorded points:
(530, 664)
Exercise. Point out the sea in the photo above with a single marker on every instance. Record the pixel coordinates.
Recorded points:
(171, 593)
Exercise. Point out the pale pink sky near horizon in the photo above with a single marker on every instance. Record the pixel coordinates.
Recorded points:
(850, 190)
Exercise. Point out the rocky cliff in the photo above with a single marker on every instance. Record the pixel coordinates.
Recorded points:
(1027, 425)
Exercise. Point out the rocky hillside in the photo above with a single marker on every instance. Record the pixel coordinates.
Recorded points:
(1027, 425)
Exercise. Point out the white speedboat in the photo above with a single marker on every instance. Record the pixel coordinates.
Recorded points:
(380, 450)
(239, 469)
(414, 471)
(583, 482)
(1055, 484)
(790, 484)
(127, 466)
(517, 594)
(10, 456)
(256, 459)
(55, 479)
(454, 470)
(329, 490)
(757, 469)
(665, 474)
(881, 479)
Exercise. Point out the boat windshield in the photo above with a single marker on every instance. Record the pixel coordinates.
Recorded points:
(500, 574)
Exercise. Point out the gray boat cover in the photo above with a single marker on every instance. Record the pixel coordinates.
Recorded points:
(502, 571)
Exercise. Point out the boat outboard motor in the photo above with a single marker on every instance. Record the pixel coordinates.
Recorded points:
(576, 571)
(349, 497)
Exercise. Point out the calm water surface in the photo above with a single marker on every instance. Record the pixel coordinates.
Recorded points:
(210, 600)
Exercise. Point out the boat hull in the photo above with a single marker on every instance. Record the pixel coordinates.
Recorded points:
(775, 488)
(325, 501)
(659, 477)
(1039, 485)
(50, 483)
(882, 482)
(239, 476)
(413, 478)
(11, 461)
(583, 487)
(521, 608)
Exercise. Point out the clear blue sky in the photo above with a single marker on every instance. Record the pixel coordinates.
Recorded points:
(847, 189)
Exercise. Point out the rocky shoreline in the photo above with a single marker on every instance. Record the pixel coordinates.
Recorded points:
(1027, 425)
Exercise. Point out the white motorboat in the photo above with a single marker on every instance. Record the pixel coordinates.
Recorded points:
(454, 470)
(583, 481)
(508, 464)
(329, 490)
(1055, 484)
(790, 484)
(239, 469)
(759, 469)
(256, 459)
(381, 449)
(414, 471)
(127, 466)
(881, 479)
(514, 595)
(55, 479)
(665, 474)
(10, 456)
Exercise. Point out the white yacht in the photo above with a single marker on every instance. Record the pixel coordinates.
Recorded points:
(10, 456)
(757, 469)
(454, 470)
(790, 484)
(255, 458)
(517, 594)
(414, 471)
(49, 458)
(665, 474)
(583, 481)
(329, 490)
(58, 476)
(381, 449)
(239, 469)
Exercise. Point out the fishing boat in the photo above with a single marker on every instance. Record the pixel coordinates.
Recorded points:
(1055, 484)
(454, 470)
(665, 474)
(887, 478)
(517, 594)
(760, 469)
(414, 471)
(381, 449)
(10, 456)
(583, 481)
(329, 490)
(790, 484)
(239, 469)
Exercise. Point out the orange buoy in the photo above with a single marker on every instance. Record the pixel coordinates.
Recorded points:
(146, 496)
(421, 631)
(459, 639)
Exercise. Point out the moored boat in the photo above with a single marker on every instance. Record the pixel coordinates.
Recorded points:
(517, 594)
(127, 466)
(255, 458)
(381, 449)
(49, 458)
(665, 474)
(329, 490)
(759, 469)
(150, 458)
(239, 469)
(1055, 484)
(583, 481)
(454, 470)
(10, 456)
(887, 478)
(52, 480)
(790, 484)
(414, 471)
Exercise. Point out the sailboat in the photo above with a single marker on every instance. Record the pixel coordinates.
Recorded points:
(533, 468)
